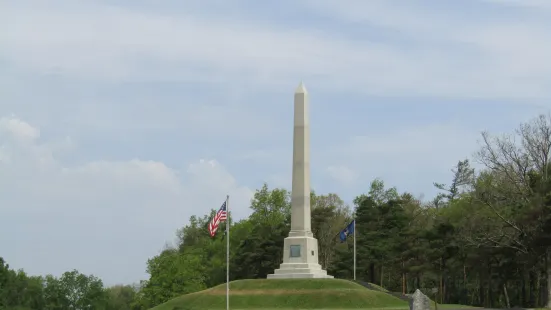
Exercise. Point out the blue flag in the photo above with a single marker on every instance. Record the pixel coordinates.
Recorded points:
(348, 231)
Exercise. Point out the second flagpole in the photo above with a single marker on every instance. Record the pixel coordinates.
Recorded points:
(354, 249)
(228, 253)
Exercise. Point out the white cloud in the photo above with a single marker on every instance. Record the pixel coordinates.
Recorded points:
(19, 129)
(101, 217)
(342, 174)
(456, 58)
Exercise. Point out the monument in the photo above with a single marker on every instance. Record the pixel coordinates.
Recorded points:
(300, 249)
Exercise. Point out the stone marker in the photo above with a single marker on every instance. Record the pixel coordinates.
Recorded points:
(300, 249)
(419, 301)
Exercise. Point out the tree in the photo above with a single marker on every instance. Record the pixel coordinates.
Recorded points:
(259, 251)
(270, 207)
(55, 296)
(380, 194)
(463, 180)
(329, 216)
(5, 283)
(122, 297)
(82, 291)
(515, 187)
(173, 273)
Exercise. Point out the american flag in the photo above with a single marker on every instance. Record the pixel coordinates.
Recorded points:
(220, 216)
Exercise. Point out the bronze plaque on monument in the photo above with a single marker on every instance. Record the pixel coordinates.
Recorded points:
(295, 251)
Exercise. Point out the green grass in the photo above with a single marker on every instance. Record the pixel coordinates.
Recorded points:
(451, 306)
(287, 294)
(380, 288)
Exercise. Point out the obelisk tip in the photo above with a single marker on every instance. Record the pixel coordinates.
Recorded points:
(301, 89)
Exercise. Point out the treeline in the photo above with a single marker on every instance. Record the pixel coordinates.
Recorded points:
(73, 290)
(483, 241)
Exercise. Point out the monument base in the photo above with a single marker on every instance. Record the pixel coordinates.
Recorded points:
(300, 271)
(300, 258)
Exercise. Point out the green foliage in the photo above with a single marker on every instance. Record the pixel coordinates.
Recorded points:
(259, 251)
(122, 297)
(270, 207)
(172, 273)
(81, 291)
(257, 255)
(72, 290)
(329, 216)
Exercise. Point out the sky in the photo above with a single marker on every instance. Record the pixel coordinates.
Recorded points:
(121, 119)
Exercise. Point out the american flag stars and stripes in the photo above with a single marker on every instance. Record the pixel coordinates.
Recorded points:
(219, 217)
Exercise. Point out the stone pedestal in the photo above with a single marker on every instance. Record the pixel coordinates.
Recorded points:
(300, 252)
(300, 260)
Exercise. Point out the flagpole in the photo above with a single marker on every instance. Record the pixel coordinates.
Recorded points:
(354, 249)
(228, 253)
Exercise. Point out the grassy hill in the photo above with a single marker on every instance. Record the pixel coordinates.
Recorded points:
(286, 294)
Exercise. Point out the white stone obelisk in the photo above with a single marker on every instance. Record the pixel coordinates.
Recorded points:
(300, 252)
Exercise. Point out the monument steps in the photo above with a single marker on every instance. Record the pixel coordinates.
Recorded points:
(300, 270)
(299, 275)
(300, 266)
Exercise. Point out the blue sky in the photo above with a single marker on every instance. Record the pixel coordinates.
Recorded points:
(120, 119)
